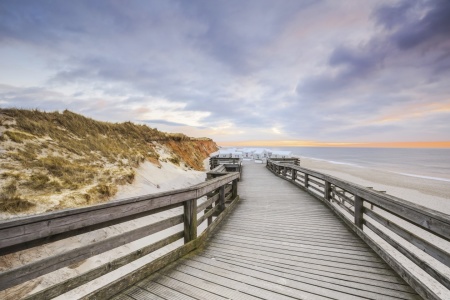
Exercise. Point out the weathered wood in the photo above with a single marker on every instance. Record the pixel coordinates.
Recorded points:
(27, 272)
(438, 223)
(221, 198)
(301, 235)
(208, 202)
(359, 211)
(311, 180)
(234, 188)
(207, 214)
(343, 197)
(120, 284)
(79, 280)
(327, 191)
(427, 247)
(428, 219)
(440, 277)
(27, 229)
(190, 220)
(293, 175)
(312, 187)
(306, 180)
(68, 234)
(135, 276)
(346, 208)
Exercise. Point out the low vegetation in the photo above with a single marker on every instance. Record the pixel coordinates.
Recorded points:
(77, 160)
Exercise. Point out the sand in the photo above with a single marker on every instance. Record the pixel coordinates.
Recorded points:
(149, 179)
(434, 194)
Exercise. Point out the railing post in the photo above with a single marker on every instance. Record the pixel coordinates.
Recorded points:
(190, 220)
(306, 180)
(327, 191)
(294, 174)
(359, 208)
(222, 198)
(234, 189)
(284, 171)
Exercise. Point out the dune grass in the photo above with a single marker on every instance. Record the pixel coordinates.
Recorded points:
(85, 160)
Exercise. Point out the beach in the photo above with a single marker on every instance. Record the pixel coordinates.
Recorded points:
(431, 193)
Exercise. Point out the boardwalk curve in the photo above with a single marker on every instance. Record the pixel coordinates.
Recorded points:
(279, 243)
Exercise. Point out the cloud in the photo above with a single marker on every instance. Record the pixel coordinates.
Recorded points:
(164, 122)
(244, 70)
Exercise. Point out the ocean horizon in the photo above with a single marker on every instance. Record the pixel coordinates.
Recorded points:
(429, 163)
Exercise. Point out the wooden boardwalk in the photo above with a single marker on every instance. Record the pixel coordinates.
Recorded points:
(279, 243)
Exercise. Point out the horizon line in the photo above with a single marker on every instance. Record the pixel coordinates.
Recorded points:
(291, 143)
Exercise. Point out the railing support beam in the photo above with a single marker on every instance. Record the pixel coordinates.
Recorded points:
(234, 189)
(359, 209)
(221, 198)
(190, 220)
(327, 191)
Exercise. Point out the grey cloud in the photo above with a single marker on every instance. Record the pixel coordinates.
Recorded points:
(163, 122)
(411, 29)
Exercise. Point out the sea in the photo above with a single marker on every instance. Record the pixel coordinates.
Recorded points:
(426, 163)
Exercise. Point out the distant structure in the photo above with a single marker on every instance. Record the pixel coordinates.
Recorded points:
(258, 155)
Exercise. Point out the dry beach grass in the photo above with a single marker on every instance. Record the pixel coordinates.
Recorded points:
(56, 160)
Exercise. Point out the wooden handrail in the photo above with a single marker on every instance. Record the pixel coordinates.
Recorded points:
(31, 231)
(344, 197)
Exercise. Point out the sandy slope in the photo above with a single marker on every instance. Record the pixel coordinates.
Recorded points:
(149, 179)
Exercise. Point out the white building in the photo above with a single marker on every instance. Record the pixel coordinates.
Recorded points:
(247, 152)
(225, 153)
(237, 154)
(281, 154)
(259, 154)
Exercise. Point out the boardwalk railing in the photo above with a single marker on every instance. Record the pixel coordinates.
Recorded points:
(420, 234)
(27, 232)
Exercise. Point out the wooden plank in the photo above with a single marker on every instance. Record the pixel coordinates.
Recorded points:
(316, 285)
(190, 220)
(79, 280)
(226, 291)
(428, 219)
(208, 202)
(207, 214)
(26, 229)
(427, 247)
(120, 284)
(327, 191)
(369, 279)
(27, 272)
(189, 290)
(135, 276)
(167, 293)
(342, 197)
(423, 264)
(221, 203)
(83, 230)
(404, 273)
(359, 210)
(312, 187)
(141, 294)
(320, 184)
(246, 284)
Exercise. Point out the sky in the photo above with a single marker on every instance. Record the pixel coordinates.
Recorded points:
(300, 72)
